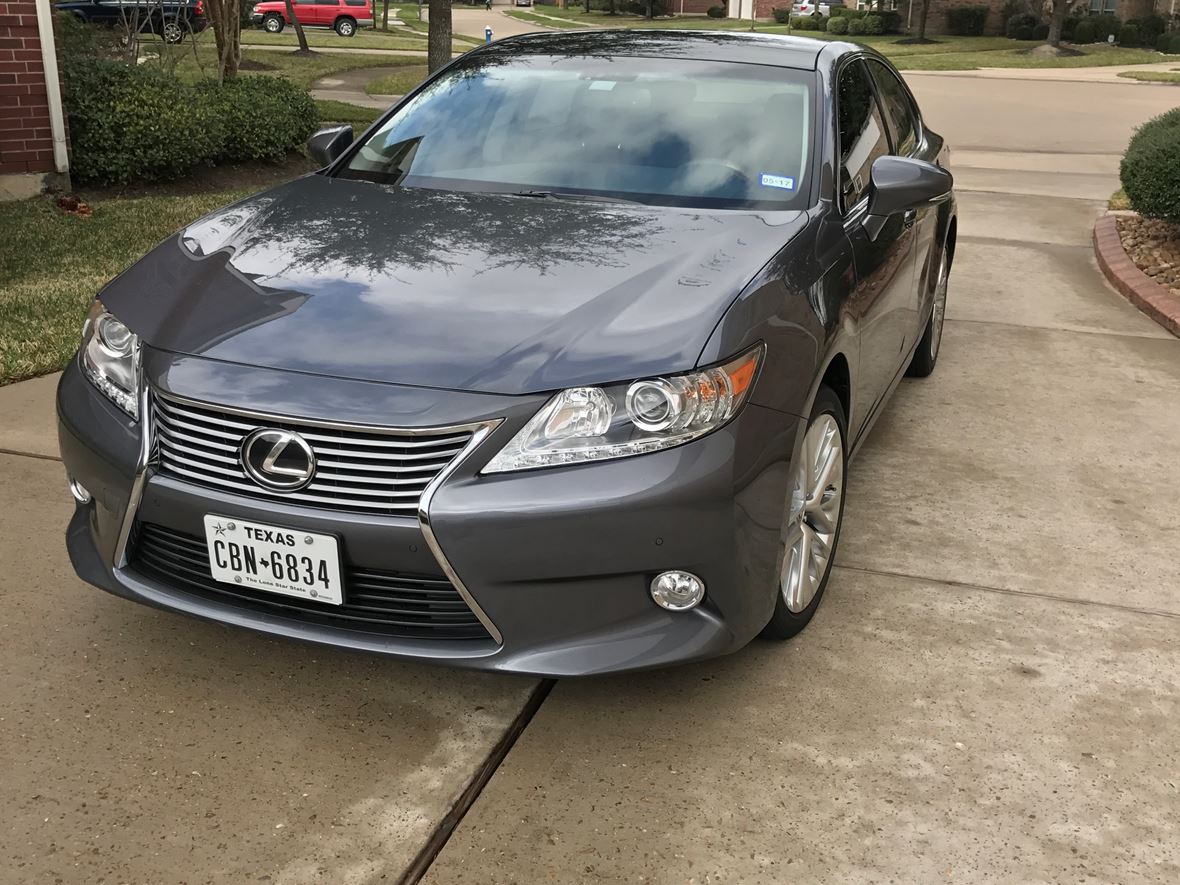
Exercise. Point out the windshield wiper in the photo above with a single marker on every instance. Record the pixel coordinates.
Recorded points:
(566, 195)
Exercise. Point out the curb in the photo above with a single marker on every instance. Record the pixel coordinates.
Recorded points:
(1136, 286)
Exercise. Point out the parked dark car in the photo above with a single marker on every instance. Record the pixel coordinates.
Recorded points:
(556, 370)
(342, 16)
(170, 19)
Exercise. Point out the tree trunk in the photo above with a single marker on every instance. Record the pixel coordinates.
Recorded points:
(438, 42)
(225, 19)
(922, 19)
(385, 16)
(299, 35)
(1060, 7)
(650, 8)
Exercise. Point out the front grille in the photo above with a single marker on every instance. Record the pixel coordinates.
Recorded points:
(357, 469)
(408, 606)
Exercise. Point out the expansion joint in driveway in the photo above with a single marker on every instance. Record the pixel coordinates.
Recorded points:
(479, 780)
(36, 455)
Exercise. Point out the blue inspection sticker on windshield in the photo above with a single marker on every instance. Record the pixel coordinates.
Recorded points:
(781, 181)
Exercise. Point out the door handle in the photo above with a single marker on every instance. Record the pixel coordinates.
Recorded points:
(907, 217)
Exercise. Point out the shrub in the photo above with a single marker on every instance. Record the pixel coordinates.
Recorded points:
(838, 24)
(263, 117)
(719, 12)
(135, 123)
(891, 20)
(1020, 23)
(782, 14)
(1068, 26)
(856, 26)
(967, 21)
(874, 24)
(848, 12)
(1174, 45)
(1129, 34)
(1161, 43)
(1150, 27)
(1084, 32)
(1150, 170)
(1041, 32)
(1105, 26)
(809, 22)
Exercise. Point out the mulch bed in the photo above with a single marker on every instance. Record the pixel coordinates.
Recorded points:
(1154, 246)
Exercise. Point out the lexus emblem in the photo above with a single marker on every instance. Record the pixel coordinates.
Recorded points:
(278, 459)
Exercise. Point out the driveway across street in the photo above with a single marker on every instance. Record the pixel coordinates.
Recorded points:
(988, 693)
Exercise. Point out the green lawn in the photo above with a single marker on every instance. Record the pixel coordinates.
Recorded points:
(53, 264)
(545, 21)
(398, 83)
(342, 112)
(1153, 76)
(303, 70)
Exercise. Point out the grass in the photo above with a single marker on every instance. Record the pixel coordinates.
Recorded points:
(1093, 56)
(304, 70)
(397, 83)
(545, 21)
(1153, 76)
(53, 265)
(342, 112)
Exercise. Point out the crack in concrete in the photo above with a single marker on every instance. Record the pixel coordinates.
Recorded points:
(1031, 594)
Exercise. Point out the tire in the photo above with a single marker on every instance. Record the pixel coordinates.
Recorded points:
(798, 591)
(345, 27)
(172, 32)
(273, 23)
(926, 354)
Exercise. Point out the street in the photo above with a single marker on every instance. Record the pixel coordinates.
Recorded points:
(988, 693)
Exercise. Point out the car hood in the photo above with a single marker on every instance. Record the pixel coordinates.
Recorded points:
(481, 292)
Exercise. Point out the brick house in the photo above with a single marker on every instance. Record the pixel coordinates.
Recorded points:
(32, 127)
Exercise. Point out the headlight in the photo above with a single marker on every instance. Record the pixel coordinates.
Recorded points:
(598, 423)
(110, 358)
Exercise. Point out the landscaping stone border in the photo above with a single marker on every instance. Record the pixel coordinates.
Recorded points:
(1140, 289)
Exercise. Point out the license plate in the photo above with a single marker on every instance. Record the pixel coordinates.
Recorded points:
(280, 560)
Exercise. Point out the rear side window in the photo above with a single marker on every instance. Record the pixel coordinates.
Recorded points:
(356, 2)
(861, 132)
(899, 111)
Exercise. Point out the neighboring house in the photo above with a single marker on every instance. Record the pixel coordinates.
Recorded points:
(32, 127)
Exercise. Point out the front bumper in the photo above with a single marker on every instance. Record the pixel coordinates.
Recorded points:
(556, 562)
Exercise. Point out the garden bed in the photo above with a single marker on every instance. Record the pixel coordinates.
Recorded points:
(1154, 247)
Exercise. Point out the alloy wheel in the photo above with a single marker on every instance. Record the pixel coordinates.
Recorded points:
(815, 509)
(172, 32)
(939, 312)
(272, 25)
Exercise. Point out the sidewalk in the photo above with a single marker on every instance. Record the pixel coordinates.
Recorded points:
(1109, 74)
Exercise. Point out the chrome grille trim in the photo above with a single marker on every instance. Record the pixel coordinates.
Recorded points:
(362, 468)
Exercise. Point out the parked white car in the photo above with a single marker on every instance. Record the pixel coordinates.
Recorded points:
(809, 8)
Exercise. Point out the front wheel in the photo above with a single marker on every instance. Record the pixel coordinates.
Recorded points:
(922, 363)
(173, 33)
(273, 24)
(345, 27)
(814, 513)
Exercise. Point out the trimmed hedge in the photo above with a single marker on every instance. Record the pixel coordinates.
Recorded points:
(1104, 26)
(719, 12)
(1020, 26)
(1084, 32)
(143, 124)
(838, 24)
(135, 124)
(967, 21)
(809, 22)
(856, 26)
(874, 25)
(1041, 31)
(263, 117)
(1150, 170)
(782, 14)
(1129, 35)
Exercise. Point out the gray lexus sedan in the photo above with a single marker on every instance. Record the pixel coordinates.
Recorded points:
(555, 370)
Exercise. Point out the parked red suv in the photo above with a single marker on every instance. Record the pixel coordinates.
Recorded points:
(342, 16)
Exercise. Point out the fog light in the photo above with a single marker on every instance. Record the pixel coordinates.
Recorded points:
(79, 491)
(677, 591)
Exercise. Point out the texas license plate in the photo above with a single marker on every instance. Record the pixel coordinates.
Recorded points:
(280, 560)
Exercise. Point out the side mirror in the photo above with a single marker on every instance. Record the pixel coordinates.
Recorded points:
(899, 184)
(328, 144)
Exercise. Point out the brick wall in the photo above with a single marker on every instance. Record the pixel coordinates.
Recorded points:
(26, 144)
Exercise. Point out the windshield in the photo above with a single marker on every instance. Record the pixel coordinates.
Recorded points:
(665, 132)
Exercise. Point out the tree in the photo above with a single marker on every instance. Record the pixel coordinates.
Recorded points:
(225, 18)
(1057, 22)
(385, 16)
(438, 38)
(304, 49)
(923, 12)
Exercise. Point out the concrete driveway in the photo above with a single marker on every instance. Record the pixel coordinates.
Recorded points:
(991, 691)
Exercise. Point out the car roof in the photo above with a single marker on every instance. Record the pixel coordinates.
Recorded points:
(801, 53)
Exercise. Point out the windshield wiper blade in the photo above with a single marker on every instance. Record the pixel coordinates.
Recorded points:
(566, 195)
